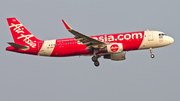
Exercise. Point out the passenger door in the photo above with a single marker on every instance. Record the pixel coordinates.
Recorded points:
(150, 36)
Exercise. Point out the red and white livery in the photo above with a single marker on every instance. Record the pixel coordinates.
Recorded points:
(110, 46)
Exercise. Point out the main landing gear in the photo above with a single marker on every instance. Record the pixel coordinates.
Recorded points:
(152, 55)
(95, 60)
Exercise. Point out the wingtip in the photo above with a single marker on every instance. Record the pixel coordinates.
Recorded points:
(10, 18)
(66, 25)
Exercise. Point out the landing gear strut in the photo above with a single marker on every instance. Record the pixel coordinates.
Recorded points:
(152, 55)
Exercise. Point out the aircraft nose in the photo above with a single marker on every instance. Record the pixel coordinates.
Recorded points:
(170, 40)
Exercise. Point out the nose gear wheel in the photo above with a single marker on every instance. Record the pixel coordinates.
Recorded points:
(152, 56)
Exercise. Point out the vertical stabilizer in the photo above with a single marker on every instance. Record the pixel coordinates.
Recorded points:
(20, 34)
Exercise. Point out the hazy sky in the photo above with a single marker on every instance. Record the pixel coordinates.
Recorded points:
(138, 78)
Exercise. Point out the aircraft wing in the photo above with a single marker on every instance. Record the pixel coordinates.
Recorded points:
(90, 42)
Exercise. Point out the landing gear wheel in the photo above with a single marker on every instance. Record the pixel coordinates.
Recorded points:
(96, 63)
(152, 55)
(94, 58)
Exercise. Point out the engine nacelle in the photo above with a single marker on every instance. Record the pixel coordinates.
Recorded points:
(116, 56)
(115, 48)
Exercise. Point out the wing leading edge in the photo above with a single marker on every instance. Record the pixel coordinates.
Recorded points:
(88, 41)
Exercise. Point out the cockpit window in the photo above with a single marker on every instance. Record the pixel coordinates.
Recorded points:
(161, 34)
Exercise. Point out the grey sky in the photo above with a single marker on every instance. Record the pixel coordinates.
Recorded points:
(138, 78)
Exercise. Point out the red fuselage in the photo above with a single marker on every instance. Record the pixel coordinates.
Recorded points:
(72, 47)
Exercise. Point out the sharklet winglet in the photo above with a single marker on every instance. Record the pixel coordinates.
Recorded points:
(66, 25)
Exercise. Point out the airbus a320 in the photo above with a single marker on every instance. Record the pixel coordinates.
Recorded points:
(109, 46)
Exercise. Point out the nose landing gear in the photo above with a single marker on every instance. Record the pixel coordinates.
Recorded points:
(152, 55)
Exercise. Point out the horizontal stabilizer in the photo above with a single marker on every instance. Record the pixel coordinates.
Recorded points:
(17, 46)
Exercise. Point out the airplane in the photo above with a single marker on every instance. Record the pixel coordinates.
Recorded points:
(110, 46)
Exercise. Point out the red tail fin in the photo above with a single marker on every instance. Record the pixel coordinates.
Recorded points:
(20, 34)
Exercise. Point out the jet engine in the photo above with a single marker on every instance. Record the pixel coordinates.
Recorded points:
(113, 48)
(116, 56)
